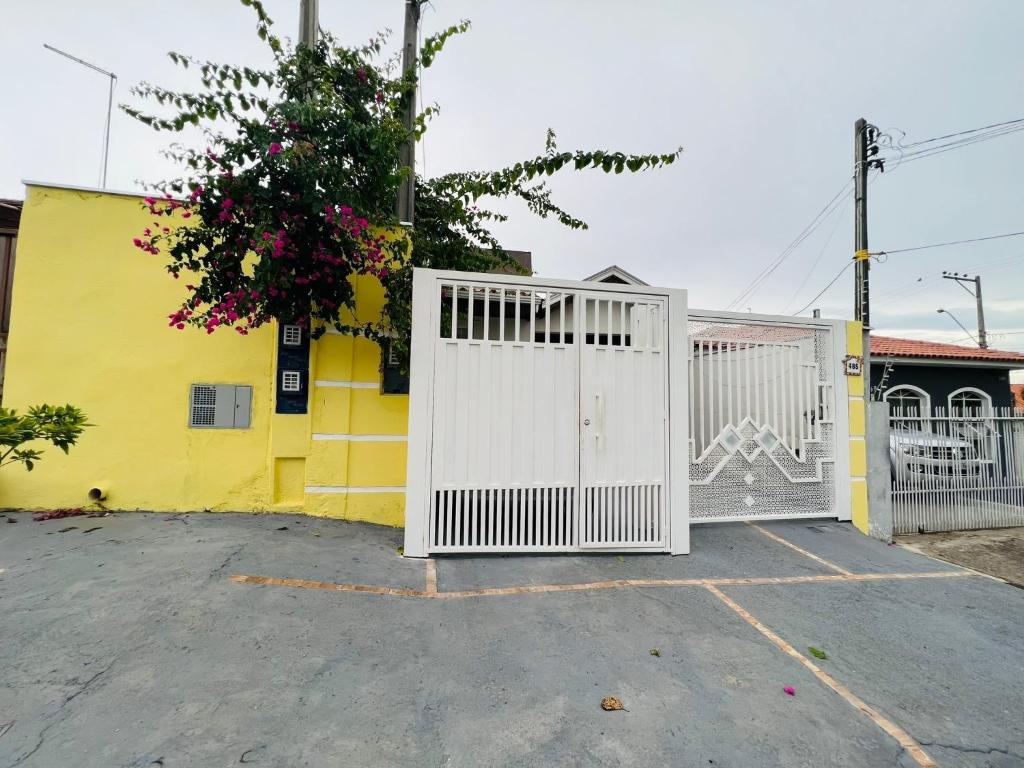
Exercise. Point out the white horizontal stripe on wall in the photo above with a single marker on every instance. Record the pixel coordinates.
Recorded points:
(361, 438)
(354, 489)
(347, 384)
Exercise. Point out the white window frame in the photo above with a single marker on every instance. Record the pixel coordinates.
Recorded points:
(987, 443)
(926, 402)
(291, 335)
(986, 398)
(291, 381)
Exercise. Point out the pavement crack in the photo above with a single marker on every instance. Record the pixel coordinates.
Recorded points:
(227, 561)
(41, 739)
(971, 750)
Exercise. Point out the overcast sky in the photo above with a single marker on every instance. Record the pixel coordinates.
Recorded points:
(762, 96)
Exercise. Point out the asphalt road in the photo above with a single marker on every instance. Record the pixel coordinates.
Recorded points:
(130, 645)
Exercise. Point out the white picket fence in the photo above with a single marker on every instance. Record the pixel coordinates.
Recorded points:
(956, 471)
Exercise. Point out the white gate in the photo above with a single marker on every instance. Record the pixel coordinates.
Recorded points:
(539, 416)
(765, 428)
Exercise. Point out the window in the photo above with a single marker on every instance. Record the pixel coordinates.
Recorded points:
(969, 409)
(969, 402)
(291, 381)
(291, 336)
(911, 402)
(220, 406)
(393, 380)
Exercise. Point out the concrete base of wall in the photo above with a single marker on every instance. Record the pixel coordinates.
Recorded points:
(879, 472)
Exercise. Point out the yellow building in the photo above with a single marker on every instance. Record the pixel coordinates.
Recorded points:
(185, 421)
(89, 327)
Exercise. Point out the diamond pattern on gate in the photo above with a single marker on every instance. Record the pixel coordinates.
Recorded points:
(763, 473)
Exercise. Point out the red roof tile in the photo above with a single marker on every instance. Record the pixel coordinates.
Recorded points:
(1018, 395)
(886, 346)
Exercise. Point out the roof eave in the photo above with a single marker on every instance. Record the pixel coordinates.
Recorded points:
(881, 359)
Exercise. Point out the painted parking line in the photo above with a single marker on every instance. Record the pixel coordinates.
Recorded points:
(533, 589)
(806, 553)
(273, 581)
(431, 576)
(904, 739)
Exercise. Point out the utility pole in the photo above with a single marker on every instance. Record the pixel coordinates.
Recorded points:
(865, 147)
(309, 21)
(861, 304)
(976, 293)
(407, 155)
(862, 262)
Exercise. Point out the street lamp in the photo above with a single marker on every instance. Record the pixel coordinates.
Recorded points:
(110, 102)
(947, 312)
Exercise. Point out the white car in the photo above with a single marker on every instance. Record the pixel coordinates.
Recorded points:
(926, 460)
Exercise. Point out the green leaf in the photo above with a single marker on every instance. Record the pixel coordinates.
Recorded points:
(817, 653)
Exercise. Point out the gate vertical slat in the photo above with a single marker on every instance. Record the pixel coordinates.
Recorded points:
(773, 414)
(542, 525)
(616, 513)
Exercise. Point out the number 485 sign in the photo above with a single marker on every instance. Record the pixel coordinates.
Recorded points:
(854, 365)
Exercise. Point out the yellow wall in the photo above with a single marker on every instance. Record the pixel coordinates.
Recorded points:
(858, 448)
(89, 327)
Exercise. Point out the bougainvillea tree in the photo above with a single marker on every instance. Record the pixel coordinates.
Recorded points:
(293, 192)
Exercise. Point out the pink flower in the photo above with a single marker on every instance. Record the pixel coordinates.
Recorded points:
(361, 74)
(790, 690)
(275, 148)
(137, 242)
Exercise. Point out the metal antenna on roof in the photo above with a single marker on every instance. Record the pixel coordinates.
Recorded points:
(110, 103)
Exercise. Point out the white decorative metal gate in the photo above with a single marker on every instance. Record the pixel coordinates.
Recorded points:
(763, 417)
(539, 417)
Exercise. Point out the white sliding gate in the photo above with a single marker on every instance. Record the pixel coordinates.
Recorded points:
(539, 416)
(768, 433)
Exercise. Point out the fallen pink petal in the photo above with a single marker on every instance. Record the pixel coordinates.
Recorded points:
(790, 690)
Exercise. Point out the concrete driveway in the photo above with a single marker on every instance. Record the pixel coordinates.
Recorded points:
(222, 640)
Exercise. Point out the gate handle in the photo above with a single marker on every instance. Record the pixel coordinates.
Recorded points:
(599, 417)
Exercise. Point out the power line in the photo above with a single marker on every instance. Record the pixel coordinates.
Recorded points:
(822, 291)
(941, 148)
(951, 242)
(817, 260)
(924, 282)
(758, 281)
(998, 334)
(963, 133)
(928, 147)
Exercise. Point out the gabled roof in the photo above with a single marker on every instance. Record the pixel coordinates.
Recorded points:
(523, 258)
(887, 346)
(614, 274)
